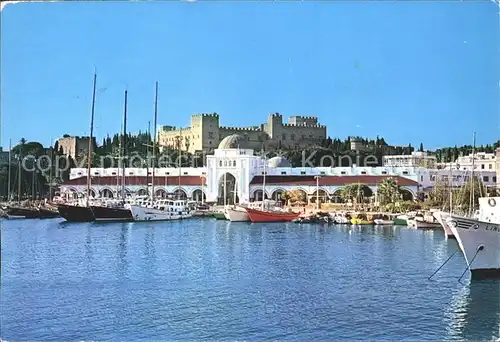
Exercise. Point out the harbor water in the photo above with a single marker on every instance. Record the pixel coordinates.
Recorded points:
(207, 279)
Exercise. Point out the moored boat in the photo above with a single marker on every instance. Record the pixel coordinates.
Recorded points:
(47, 213)
(21, 213)
(236, 214)
(480, 244)
(75, 213)
(426, 225)
(441, 217)
(270, 216)
(108, 213)
(161, 210)
(382, 222)
(361, 219)
(398, 221)
(219, 215)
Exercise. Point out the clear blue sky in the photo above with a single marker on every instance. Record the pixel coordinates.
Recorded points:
(408, 71)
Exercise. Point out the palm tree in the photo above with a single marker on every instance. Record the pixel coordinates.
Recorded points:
(389, 191)
(355, 193)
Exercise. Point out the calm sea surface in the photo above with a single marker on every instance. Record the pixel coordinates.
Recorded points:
(207, 279)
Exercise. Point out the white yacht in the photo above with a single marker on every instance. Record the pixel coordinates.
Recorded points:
(479, 238)
(159, 210)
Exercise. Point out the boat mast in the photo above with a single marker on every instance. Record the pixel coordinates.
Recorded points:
(225, 187)
(9, 177)
(50, 172)
(471, 203)
(89, 155)
(124, 154)
(235, 183)
(118, 168)
(147, 157)
(451, 187)
(179, 157)
(154, 143)
(19, 174)
(264, 183)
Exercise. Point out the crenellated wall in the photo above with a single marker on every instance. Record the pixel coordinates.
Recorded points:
(205, 133)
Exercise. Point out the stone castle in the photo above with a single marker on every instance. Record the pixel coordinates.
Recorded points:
(205, 133)
(74, 146)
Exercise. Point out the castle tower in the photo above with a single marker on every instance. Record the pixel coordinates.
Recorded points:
(205, 132)
(274, 124)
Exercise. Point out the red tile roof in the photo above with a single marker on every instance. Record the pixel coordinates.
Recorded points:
(138, 180)
(331, 180)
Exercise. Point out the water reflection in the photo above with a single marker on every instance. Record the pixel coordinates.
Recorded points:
(474, 311)
(149, 251)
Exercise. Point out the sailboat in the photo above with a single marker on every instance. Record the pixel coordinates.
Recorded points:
(479, 235)
(82, 213)
(236, 213)
(115, 210)
(164, 209)
(221, 213)
(441, 216)
(265, 214)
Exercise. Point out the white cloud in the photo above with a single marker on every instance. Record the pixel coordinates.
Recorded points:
(359, 126)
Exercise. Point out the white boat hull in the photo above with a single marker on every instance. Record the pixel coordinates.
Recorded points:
(151, 214)
(380, 222)
(426, 225)
(236, 215)
(441, 218)
(14, 217)
(480, 244)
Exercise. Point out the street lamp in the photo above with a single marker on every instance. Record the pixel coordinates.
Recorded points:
(317, 191)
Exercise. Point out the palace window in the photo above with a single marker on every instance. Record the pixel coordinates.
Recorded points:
(486, 179)
(482, 166)
(167, 173)
(342, 173)
(384, 172)
(302, 172)
(284, 136)
(494, 179)
(234, 163)
(322, 172)
(220, 163)
(130, 173)
(283, 172)
(363, 172)
(113, 173)
(405, 172)
(185, 173)
(292, 136)
(490, 166)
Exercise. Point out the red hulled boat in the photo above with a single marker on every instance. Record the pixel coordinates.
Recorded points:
(270, 216)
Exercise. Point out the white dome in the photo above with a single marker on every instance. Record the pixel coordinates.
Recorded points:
(278, 162)
(232, 141)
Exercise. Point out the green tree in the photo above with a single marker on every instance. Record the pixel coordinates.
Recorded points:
(356, 193)
(389, 191)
